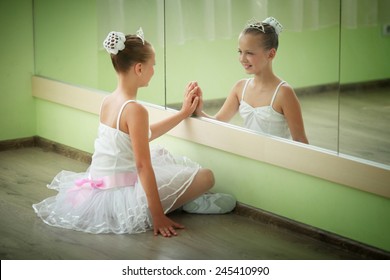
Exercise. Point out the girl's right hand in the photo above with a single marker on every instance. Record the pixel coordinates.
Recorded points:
(191, 99)
(165, 226)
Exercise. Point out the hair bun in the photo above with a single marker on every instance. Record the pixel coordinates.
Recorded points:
(114, 42)
(274, 23)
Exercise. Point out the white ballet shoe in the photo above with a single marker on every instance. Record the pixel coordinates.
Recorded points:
(211, 203)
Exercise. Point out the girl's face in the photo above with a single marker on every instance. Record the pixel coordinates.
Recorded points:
(253, 57)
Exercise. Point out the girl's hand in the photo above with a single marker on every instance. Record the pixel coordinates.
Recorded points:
(199, 108)
(191, 99)
(165, 226)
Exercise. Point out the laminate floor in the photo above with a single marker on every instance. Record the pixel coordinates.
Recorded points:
(25, 172)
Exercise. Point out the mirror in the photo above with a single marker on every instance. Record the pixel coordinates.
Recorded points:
(365, 80)
(202, 44)
(197, 40)
(68, 38)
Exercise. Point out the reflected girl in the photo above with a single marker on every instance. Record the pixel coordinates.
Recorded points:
(265, 102)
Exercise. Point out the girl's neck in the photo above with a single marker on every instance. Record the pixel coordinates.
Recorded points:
(265, 78)
(127, 87)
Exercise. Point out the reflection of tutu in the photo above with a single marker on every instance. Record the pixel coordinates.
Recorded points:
(110, 207)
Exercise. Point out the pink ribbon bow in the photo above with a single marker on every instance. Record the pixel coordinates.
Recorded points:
(106, 182)
(93, 183)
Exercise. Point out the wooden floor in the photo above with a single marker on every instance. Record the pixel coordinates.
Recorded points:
(25, 172)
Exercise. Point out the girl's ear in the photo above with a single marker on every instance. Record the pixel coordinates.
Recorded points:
(138, 69)
(272, 53)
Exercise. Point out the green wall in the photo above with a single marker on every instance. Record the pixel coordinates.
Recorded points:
(68, 44)
(66, 125)
(65, 41)
(364, 55)
(215, 64)
(17, 110)
(357, 215)
(305, 58)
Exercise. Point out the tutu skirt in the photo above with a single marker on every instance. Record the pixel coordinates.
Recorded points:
(114, 209)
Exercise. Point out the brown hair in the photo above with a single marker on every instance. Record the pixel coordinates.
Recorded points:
(270, 37)
(135, 51)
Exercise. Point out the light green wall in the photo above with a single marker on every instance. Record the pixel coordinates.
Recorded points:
(364, 55)
(215, 65)
(65, 41)
(17, 110)
(66, 125)
(357, 215)
(305, 58)
(308, 53)
(68, 44)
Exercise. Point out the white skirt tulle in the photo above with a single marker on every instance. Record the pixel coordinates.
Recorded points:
(115, 209)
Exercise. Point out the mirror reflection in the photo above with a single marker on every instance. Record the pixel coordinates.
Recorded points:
(365, 80)
(203, 42)
(198, 40)
(266, 103)
(82, 26)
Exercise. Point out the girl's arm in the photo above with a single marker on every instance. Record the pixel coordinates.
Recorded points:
(293, 114)
(228, 109)
(138, 126)
(189, 104)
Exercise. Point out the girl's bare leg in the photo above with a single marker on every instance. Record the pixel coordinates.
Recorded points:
(203, 182)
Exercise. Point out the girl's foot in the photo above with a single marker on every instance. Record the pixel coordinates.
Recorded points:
(211, 203)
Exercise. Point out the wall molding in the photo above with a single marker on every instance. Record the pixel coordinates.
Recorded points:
(348, 171)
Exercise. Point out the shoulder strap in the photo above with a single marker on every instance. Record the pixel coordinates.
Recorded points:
(244, 89)
(121, 110)
(276, 92)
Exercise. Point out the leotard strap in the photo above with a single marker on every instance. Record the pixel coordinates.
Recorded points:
(276, 92)
(121, 110)
(244, 89)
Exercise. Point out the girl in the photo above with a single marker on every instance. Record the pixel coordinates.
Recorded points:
(128, 187)
(265, 102)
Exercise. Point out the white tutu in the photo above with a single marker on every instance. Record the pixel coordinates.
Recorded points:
(116, 209)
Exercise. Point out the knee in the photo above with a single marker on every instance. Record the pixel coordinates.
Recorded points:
(209, 177)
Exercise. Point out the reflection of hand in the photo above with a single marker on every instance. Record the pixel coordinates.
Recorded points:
(165, 226)
(199, 108)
